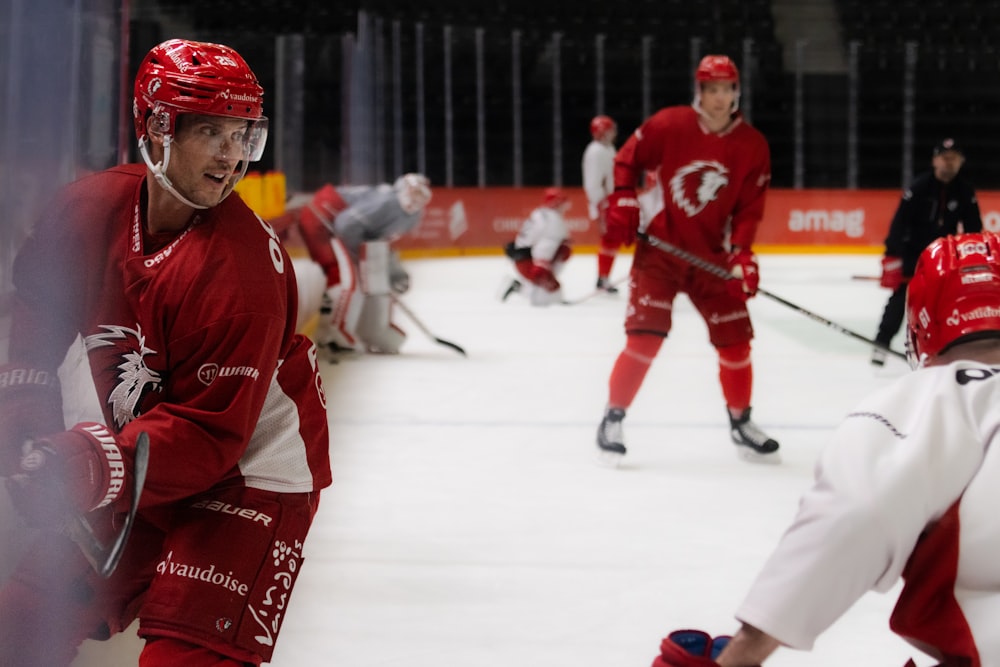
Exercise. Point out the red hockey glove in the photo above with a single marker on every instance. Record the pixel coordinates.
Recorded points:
(690, 648)
(892, 272)
(622, 218)
(743, 265)
(30, 405)
(71, 472)
(542, 276)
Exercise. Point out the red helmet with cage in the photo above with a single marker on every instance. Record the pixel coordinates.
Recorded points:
(600, 125)
(954, 294)
(183, 76)
(554, 197)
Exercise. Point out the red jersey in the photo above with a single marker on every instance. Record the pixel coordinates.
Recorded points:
(191, 337)
(714, 184)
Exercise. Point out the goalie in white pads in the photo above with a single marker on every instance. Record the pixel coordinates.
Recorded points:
(348, 231)
(907, 489)
(540, 250)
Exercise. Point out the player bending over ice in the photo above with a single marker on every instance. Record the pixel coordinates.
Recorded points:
(353, 275)
(540, 250)
(908, 488)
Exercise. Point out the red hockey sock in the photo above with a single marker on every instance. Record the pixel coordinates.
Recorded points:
(604, 261)
(631, 367)
(736, 376)
(169, 652)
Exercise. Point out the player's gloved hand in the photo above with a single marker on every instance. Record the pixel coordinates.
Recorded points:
(542, 276)
(399, 278)
(892, 272)
(563, 253)
(30, 405)
(70, 472)
(602, 216)
(622, 217)
(690, 648)
(399, 281)
(743, 265)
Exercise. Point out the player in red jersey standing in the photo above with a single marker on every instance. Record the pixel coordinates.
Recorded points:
(186, 304)
(714, 169)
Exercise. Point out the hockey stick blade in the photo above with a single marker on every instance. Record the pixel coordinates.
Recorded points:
(103, 557)
(720, 272)
(427, 332)
(590, 295)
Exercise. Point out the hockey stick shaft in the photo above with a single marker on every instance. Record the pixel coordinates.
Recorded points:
(720, 272)
(420, 325)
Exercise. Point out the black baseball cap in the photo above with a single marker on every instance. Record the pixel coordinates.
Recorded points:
(948, 144)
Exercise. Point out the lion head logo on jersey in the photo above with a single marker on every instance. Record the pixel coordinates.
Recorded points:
(135, 379)
(697, 183)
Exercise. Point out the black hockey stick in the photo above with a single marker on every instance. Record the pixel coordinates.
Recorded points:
(104, 557)
(420, 325)
(720, 272)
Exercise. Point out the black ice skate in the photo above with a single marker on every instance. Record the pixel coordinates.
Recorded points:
(752, 443)
(879, 356)
(610, 437)
(604, 285)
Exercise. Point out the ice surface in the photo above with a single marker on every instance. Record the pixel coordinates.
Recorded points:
(468, 524)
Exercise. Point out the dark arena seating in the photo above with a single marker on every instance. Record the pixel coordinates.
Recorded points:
(954, 84)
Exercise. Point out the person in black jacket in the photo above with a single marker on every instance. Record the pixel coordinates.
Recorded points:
(939, 202)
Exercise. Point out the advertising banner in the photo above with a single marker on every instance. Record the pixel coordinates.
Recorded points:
(463, 221)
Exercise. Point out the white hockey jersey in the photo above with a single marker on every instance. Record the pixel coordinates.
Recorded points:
(910, 486)
(598, 167)
(544, 231)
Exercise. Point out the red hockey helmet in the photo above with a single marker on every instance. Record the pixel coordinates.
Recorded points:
(600, 125)
(954, 293)
(715, 68)
(554, 197)
(183, 76)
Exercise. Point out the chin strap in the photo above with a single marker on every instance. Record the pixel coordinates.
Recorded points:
(159, 171)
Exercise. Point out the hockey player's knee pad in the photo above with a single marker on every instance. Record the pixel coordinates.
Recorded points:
(339, 316)
(734, 356)
(311, 283)
(387, 341)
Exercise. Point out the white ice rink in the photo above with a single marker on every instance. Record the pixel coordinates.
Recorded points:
(469, 526)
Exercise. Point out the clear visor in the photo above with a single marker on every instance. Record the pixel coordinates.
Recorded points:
(223, 137)
(256, 139)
